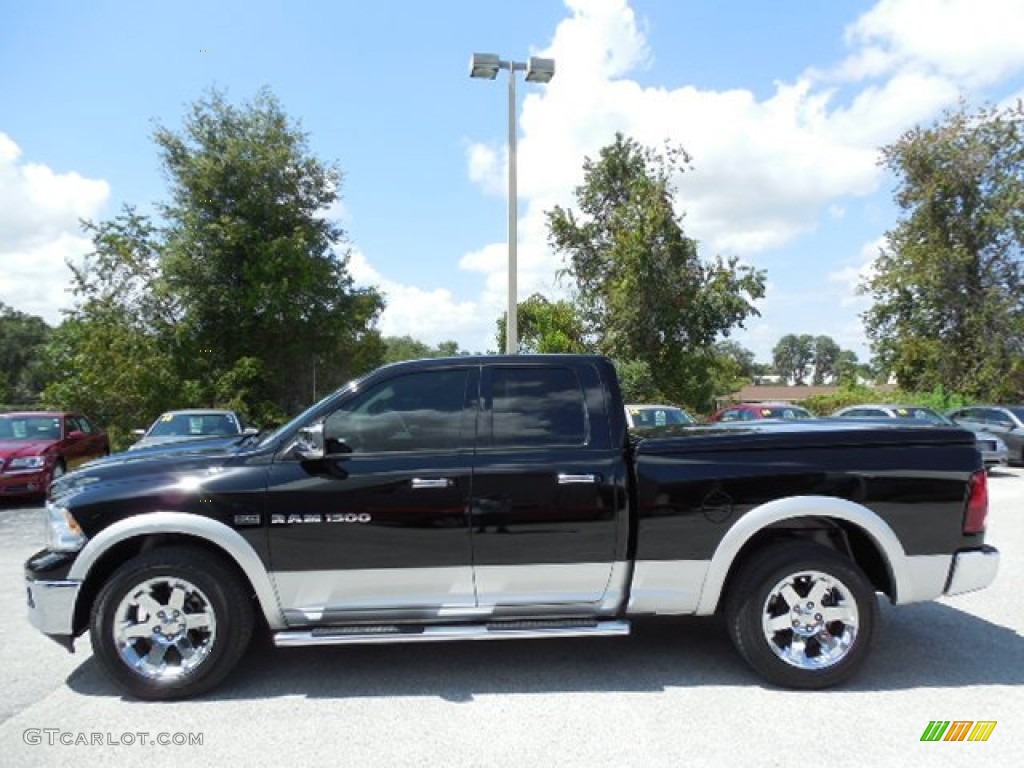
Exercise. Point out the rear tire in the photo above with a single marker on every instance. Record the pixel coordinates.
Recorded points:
(171, 623)
(802, 615)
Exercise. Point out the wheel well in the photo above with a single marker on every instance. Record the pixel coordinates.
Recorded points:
(124, 551)
(839, 535)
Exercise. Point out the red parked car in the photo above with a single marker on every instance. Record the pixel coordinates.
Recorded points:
(36, 447)
(750, 411)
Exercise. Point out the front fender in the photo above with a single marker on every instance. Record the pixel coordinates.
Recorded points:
(224, 538)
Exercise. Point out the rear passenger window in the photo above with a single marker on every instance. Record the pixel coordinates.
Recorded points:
(537, 406)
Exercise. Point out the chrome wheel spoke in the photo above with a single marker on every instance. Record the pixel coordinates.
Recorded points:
(779, 623)
(198, 620)
(818, 591)
(136, 631)
(155, 657)
(798, 648)
(146, 602)
(177, 601)
(839, 613)
(185, 648)
(829, 642)
(790, 596)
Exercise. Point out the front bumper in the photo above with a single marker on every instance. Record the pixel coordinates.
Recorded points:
(23, 482)
(51, 608)
(972, 569)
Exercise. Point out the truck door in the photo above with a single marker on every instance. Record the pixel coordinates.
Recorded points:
(379, 528)
(547, 513)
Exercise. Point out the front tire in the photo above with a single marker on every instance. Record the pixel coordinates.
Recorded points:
(171, 623)
(802, 615)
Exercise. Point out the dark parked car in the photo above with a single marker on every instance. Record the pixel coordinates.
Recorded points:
(993, 450)
(193, 424)
(38, 446)
(755, 411)
(1005, 421)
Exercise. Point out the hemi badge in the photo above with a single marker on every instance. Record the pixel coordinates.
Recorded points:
(247, 519)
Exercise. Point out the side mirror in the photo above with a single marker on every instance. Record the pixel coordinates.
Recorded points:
(250, 431)
(309, 443)
(139, 432)
(75, 434)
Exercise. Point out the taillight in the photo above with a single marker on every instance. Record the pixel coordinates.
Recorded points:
(977, 504)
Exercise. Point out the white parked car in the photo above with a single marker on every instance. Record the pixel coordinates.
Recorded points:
(657, 416)
(175, 426)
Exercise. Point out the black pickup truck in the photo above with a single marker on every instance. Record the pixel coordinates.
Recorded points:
(503, 497)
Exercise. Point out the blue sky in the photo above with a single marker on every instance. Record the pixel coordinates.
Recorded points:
(782, 106)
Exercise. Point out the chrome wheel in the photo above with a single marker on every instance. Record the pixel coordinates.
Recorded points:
(810, 620)
(164, 628)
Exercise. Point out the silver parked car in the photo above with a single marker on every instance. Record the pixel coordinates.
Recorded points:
(193, 424)
(1004, 421)
(993, 450)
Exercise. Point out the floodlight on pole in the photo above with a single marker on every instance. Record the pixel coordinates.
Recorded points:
(485, 66)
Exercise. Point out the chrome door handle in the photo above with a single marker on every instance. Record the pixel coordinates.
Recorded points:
(566, 479)
(432, 482)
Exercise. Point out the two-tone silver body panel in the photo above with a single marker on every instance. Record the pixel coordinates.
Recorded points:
(308, 598)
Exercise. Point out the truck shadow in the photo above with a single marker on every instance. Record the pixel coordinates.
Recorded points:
(930, 645)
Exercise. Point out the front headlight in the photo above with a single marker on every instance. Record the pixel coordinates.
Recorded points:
(28, 462)
(1000, 445)
(62, 531)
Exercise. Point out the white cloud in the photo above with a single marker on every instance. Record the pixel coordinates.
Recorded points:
(765, 169)
(972, 42)
(487, 167)
(432, 316)
(852, 276)
(39, 230)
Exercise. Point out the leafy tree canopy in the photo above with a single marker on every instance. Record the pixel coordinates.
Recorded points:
(642, 292)
(239, 295)
(22, 337)
(948, 285)
(546, 326)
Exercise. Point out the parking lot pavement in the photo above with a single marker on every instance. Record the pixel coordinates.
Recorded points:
(674, 693)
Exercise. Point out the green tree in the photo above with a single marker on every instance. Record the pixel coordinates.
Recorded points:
(793, 357)
(732, 367)
(240, 297)
(546, 326)
(259, 271)
(826, 360)
(22, 340)
(637, 382)
(114, 355)
(641, 290)
(398, 348)
(948, 285)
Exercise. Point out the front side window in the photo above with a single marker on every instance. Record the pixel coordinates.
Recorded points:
(419, 411)
(537, 406)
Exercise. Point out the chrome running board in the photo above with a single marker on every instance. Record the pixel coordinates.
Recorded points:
(498, 630)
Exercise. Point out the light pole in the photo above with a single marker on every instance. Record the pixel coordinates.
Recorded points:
(486, 66)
